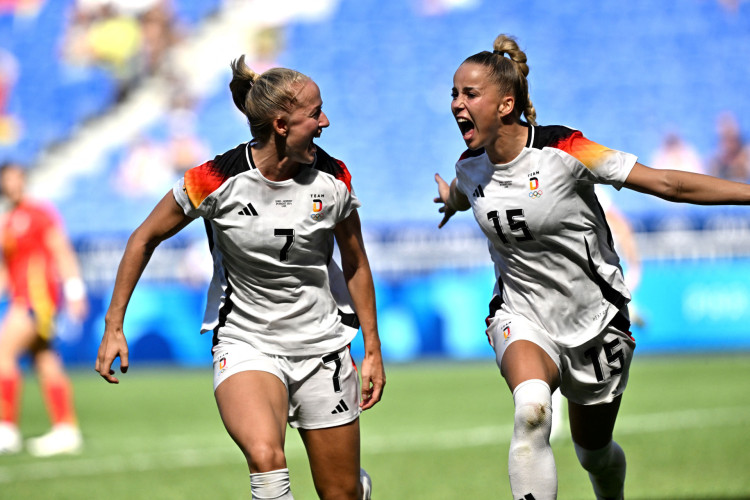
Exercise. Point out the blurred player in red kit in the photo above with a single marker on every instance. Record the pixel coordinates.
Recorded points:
(40, 272)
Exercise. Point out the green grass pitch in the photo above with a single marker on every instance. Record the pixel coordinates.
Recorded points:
(441, 432)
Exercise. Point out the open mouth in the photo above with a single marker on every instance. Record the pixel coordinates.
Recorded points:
(466, 127)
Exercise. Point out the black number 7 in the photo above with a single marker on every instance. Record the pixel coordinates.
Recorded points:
(611, 353)
(289, 233)
(334, 358)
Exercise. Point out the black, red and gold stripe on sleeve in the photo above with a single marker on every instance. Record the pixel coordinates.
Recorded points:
(572, 142)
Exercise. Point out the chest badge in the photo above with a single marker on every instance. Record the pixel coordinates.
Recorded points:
(534, 191)
(317, 210)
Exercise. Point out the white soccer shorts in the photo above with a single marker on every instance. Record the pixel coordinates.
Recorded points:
(323, 390)
(593, 373)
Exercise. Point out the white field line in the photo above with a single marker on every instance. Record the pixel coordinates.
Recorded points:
(202, 456)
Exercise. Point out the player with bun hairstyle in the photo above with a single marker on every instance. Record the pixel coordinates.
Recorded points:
(281, 313)
(558, 317)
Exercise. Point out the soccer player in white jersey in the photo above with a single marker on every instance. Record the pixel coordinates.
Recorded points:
(280, 319)
(558, 317)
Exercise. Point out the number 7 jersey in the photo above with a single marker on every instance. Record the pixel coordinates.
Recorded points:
(547, 235)
(272, 244)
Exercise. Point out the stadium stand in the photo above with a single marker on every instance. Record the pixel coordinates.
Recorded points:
(624, 73)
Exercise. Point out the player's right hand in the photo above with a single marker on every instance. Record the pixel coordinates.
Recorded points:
(113, 345)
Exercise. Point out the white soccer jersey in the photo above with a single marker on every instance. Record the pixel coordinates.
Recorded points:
(553, 253)
(272, 244)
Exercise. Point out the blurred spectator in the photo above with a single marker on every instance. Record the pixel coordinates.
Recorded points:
(160, 34)
(128, 38)
(732, 159)
(269, 42)
(676, 154)
(21, 8)
(9, 123)
(99, 35)
(146, 170)
(185, 149)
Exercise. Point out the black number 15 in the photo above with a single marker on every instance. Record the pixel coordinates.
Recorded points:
(516, 222)
(612, 353)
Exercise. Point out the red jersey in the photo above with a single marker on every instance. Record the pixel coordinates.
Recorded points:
(33, 277)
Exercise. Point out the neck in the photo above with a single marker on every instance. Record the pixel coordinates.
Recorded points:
(273, 165)
(510, 141)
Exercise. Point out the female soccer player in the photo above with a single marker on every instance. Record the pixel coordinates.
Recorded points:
(558, 317)
(272, 208)
(37, 259)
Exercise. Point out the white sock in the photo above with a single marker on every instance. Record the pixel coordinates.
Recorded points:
(366, 482)
(271, 485)
(606, 467)
(531, 464)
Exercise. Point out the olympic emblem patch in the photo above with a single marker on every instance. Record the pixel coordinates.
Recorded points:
(534, 192)
(506, 332)
(317, 209)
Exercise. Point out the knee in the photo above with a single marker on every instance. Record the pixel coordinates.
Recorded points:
(342, 486)
(263, 457)
(595, 461)
(533, 406)
(532, 416)
(340, 492)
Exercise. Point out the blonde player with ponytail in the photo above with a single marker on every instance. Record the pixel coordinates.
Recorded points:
(559, 316)
(281, 313)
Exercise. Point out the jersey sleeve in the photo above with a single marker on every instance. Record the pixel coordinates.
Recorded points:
(347, 200)
(600, 164)
(192, 192)
(460, 179)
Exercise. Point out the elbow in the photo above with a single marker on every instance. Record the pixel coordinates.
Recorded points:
(672, 188)
(145, 242)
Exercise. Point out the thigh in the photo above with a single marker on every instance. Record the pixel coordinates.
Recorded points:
(591, 425)
(334, 459)
(523, 352)
(253, 406)
(17, 335)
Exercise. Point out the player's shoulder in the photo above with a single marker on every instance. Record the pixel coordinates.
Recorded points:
(201, 181)
(41, 209)
(470, 154)
(331, 166)
(552, 136)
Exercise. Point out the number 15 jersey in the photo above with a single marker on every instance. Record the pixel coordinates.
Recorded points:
(548, 238)
(272, 243)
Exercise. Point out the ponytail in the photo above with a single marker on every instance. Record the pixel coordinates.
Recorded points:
(261, 98)
(507, 67)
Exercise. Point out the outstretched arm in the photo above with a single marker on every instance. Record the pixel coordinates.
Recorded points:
(166, 220)
(452, 199)
(687, 187)
(358, 278)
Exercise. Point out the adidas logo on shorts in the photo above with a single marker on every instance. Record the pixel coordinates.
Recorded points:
(340, 408)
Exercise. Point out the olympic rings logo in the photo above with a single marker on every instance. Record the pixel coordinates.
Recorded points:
(535, 194)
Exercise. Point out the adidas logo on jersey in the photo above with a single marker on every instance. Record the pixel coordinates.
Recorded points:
(248, 210)
(479, 192)
(340, 408)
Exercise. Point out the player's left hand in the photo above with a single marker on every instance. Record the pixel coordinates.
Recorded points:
(373, 379)
(444, 194)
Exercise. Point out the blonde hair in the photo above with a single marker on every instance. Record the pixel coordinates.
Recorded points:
(262, 97)
(509, 73)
